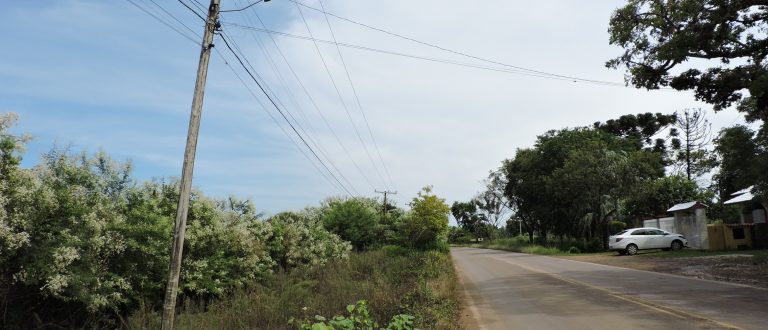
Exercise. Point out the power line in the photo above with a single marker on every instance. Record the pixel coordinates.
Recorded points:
(192, 10)
(338, 93)
(418, 57)
(277, 123)
(224, 38)
(163, 22)
(174, 17)
(293, 99)
(314, 104)
(458, 52)
(357, 99)
(298, 124)
(241, 9)
(169, 25)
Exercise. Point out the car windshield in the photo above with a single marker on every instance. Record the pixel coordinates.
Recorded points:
(622, 232)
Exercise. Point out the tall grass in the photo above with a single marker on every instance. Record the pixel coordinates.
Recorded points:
(555, 246)
(393, 280)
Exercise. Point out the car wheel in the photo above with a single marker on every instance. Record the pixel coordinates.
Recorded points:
(631, 249)
(677, 245)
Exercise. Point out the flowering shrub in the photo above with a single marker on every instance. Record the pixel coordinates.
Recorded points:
(298, 239)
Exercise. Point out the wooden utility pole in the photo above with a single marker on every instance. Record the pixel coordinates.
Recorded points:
(169, 305)
(385, 192)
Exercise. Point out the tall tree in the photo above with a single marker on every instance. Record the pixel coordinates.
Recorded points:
(640, 129)
(467, 217)
(427, 223)
(737, 154)
(696, 134)
(660, 35)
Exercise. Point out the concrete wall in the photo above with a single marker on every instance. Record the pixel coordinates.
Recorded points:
(666, 224)
(693, 227)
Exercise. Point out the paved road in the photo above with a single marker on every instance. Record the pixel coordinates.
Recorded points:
(508, 290)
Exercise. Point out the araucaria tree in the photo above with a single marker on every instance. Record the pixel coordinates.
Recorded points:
(696, 134)
(717, 48)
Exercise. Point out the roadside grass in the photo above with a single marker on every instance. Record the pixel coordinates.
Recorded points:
(521, 244)
(392, 280)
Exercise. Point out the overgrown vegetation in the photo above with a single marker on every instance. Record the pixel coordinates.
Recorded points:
(83, 245)
(393, 281)
(524, 245)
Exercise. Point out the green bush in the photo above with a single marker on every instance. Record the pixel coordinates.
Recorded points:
(353, 221)
(359, 319)
(427, 223)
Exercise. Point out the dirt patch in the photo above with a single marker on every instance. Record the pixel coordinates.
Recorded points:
(736, 268)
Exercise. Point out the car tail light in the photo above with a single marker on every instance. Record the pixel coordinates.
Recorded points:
(619, 238)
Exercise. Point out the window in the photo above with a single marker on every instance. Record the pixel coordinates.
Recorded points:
(638, 232)
(738, 233)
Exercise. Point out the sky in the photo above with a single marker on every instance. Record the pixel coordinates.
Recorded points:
(90, 75)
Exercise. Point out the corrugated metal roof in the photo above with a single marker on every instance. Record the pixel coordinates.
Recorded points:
(744, 197)
(743, 191)
(684, 206)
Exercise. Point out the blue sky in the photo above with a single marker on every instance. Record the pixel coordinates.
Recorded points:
(103, 75)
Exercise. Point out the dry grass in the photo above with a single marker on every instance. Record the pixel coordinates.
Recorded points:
(393, 281)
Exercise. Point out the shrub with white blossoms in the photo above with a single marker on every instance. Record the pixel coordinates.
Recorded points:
(298, 240)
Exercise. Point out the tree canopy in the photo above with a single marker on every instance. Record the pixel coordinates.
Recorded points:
(728, 35)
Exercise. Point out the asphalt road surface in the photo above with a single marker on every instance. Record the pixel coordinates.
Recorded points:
(506, 290)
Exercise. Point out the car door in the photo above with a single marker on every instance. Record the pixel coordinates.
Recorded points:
(655, 238)
(639, 238)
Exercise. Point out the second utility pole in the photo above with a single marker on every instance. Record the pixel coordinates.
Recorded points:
(385, 192)
(169, 305)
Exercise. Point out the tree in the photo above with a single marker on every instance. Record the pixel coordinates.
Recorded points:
(654, 197)
(574, 181)
(492, 208)
(353, 221)
(427, 223)
(737, 154)
(298, 240)
(696, 132)
(639, 129)
(660, 35)
(467, 217)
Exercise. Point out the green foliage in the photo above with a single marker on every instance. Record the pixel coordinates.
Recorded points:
(300, 240)
(393, 280)
(427, 222)
(616, 226)
(658, 35)
(552, 247)
(355, 222)
(639, 129)
(574, 180)
(82, 244)
(359, 319)
(654, 197)
(739, 157)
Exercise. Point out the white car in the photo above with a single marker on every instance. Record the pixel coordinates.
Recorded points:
(631, 240)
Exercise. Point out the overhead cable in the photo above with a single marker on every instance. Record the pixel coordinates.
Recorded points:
(573, 78)
(359, 104)
(224, 38)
